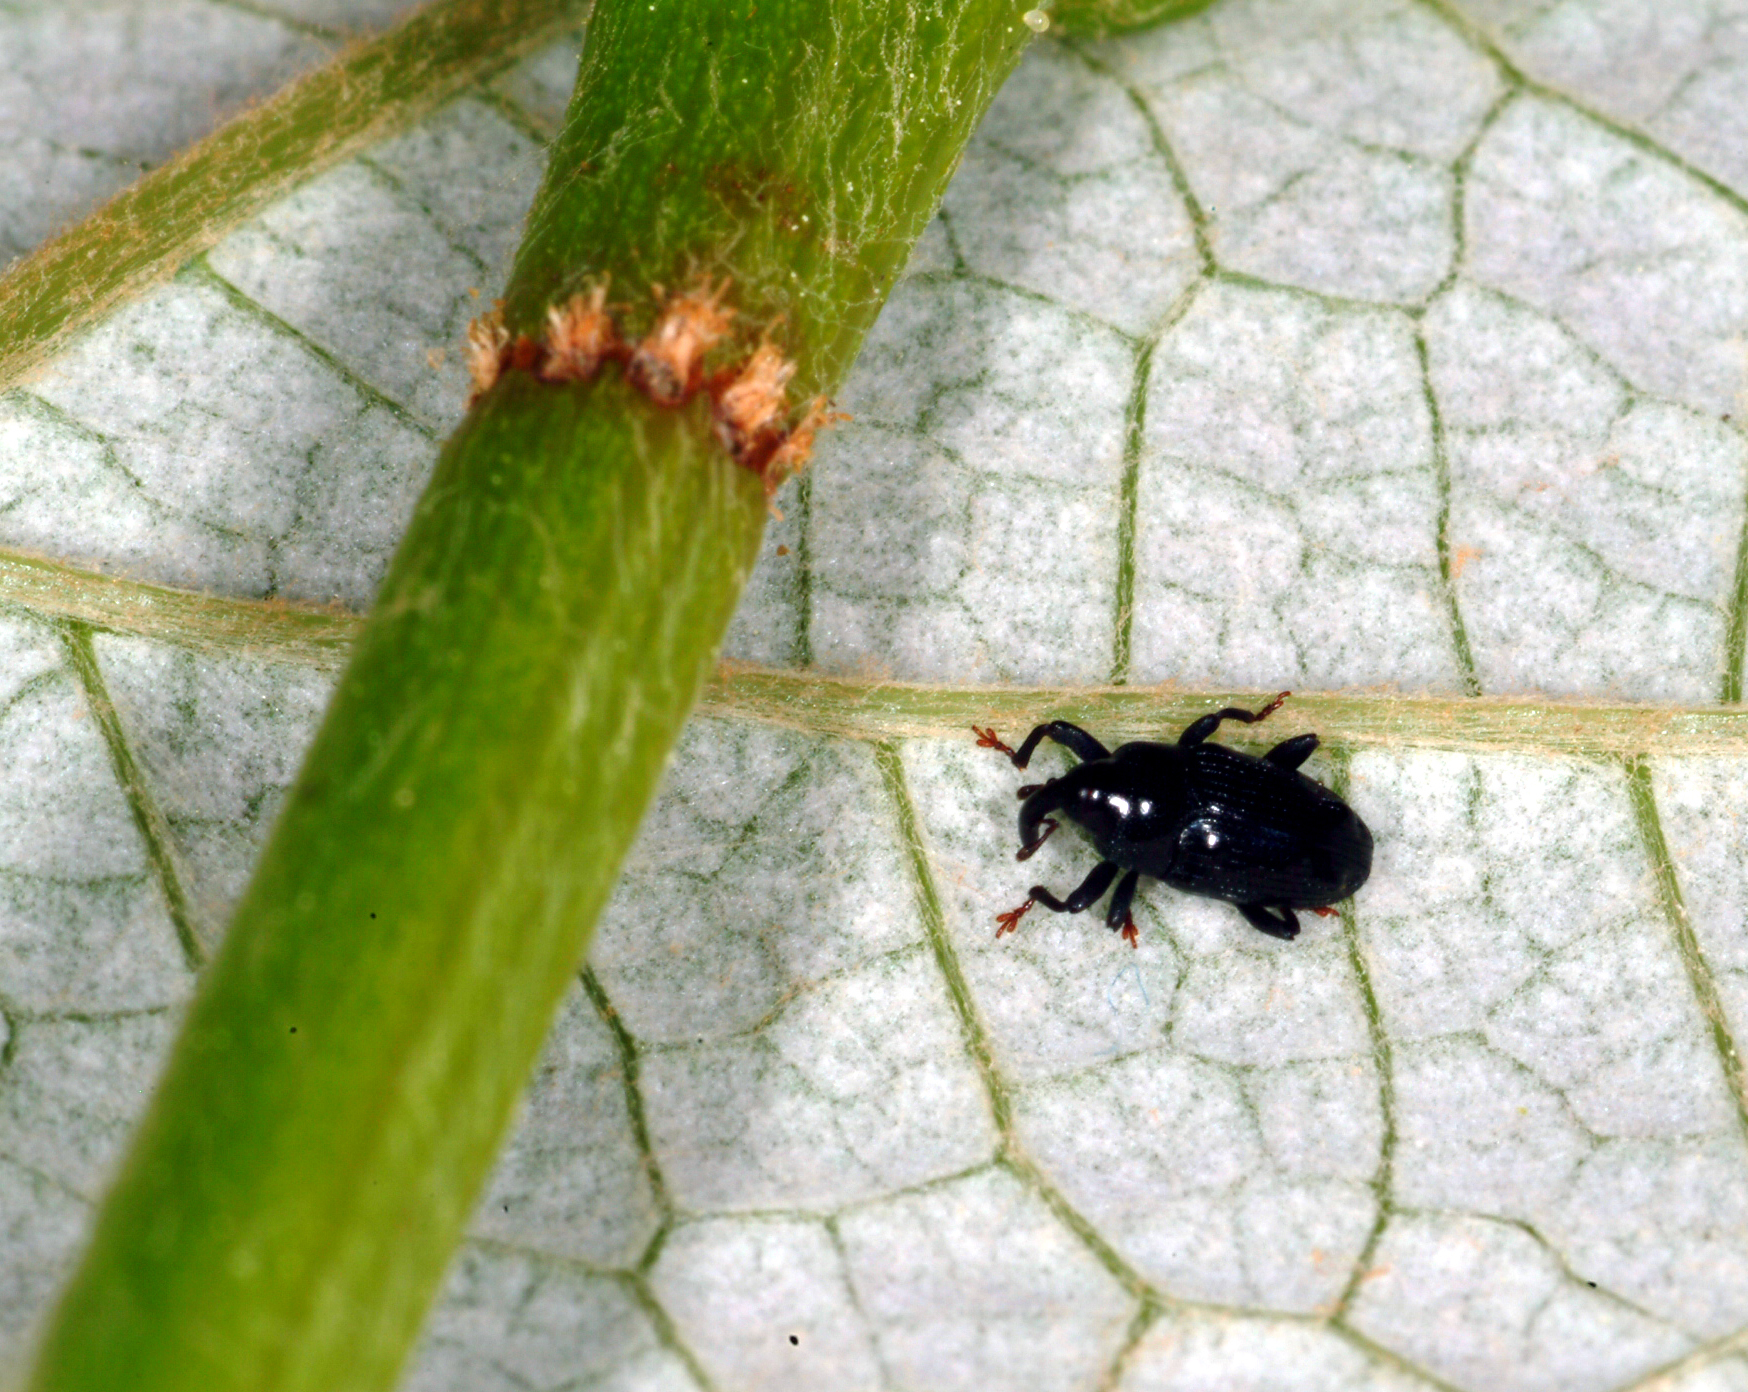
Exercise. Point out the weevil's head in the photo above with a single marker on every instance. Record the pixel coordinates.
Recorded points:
(1125, 799)
(1078, 796)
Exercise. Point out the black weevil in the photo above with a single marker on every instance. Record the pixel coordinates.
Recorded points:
(1205, 819)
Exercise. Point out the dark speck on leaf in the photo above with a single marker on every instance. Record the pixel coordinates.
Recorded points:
(795, 1339)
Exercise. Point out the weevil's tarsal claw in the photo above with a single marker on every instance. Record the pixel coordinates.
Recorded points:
(988, 739)
(1008, 922)
(1271, 707)
(1326, 912)
(1027, 851)
(1131, 934)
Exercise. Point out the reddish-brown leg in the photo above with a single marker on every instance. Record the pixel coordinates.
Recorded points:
(1010, 920)
(988, 739)
(1271, 707)
(1030, 849)
(1131, 933)
(1326, 912)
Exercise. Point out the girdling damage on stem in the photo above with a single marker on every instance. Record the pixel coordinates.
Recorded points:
(749, 402)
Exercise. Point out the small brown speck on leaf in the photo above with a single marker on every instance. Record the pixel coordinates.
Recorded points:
(1460, 557)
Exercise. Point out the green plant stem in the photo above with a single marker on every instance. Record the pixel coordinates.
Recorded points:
(829, 134)
(343, 1079)
(349, 1065)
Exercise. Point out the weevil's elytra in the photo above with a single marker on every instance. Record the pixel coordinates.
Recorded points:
(1203, 818)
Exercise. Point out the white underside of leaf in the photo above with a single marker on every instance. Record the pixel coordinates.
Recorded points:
(1301, 284)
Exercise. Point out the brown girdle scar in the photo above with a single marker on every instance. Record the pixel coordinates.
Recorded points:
(749, 402)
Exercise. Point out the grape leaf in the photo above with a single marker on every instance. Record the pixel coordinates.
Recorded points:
(1382, 348)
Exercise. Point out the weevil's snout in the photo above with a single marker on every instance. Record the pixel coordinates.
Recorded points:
(1041, 800)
